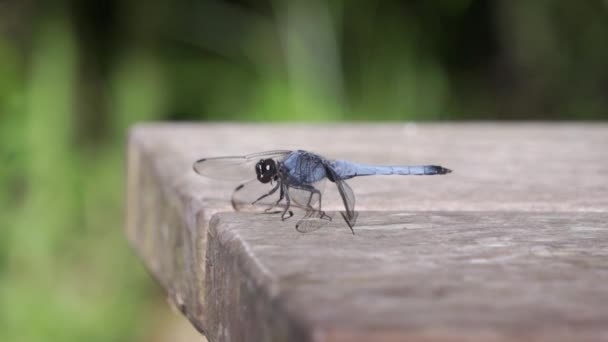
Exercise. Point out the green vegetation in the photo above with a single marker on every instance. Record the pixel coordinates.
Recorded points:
(66, 271)
(74, 77)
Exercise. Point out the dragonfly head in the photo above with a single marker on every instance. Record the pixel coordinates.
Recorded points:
(266, 170)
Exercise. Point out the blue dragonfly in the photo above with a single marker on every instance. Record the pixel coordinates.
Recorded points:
(281, 180)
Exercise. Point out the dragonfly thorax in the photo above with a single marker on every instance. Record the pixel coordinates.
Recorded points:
(266, 170)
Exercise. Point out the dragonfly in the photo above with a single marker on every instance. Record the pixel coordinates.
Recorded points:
(281, 180)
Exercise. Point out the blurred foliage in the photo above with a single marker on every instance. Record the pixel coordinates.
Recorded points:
(66, 271)
(74, 75)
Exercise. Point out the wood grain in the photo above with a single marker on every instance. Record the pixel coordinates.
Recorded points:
(512, 245)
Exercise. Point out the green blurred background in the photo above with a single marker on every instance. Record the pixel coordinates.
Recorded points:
(75, 74)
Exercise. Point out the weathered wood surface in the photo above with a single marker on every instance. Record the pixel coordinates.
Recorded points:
(512, 245)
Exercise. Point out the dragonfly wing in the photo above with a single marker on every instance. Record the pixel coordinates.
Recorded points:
(312, 221)
(255, 196)
(225, 168)
(348, 199)
(309, 198)
(346, 193)
(236, 168)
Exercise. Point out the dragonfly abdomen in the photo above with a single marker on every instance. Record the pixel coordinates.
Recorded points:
(345, 169)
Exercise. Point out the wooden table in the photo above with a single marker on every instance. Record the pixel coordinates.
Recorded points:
(512, 245)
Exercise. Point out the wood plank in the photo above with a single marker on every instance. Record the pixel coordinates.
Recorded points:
(533, 171)
(486, 276)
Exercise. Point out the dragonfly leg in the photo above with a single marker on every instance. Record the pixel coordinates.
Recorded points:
(281, 196)
(323, 214)
(286, 210)
(266, 195)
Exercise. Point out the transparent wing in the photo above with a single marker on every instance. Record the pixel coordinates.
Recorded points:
(309, 198)
(312, 220)
(348, 199)
(255, 196)
(235, 168)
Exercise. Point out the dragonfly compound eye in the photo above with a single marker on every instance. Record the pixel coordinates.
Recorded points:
(266, 170)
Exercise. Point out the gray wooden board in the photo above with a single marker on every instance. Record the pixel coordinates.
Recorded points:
(437, 275)
(510, 245)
